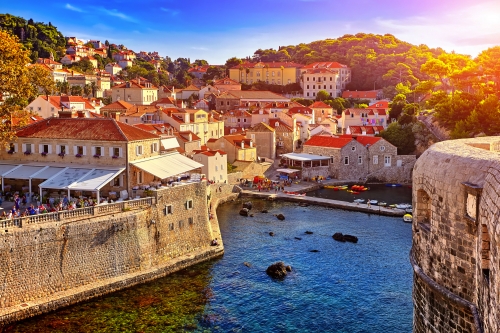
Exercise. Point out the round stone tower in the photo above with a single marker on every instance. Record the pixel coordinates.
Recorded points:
(456, 228)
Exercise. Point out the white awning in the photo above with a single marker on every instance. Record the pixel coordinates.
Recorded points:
(169, 165)
(47, 173)
(65, 178)
(23, 172)
(95, 180)
(170, 143)
(287, 170)
(305, 157)
(6, 168)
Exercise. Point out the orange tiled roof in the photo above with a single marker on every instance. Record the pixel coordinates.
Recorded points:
(325, 64)
(319, 104)
(57, 100)
(118, 105)
(367, 140)
(95, 129)
(301, 110)
(328, 141)
(360, 94)
(380, 104)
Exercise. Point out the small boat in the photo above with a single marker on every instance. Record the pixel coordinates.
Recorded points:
(393, 185)
(365, 188)
(408, 218)
(382, 203)
(359, 200)
(355, 192)
(350, 191)
(330, 186)
(373, 202)
(403, 206)
(409, 210)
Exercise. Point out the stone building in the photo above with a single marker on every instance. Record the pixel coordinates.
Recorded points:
(456, 237)
(214, 164)
(100, 156)
(362, 157)
(264, 137)
(237, 147)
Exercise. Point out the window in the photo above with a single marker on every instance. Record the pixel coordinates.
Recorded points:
(98, 151)
(308, 94)
(353, 148)
(39, 109)
(360, 159)
(307, 78)
(181, 224)
(52, 110)
(139, 177)
(79, 150)
(154, 147)
(190, 220)
(314, 86)
(330, 79)
(387, 161)
(273, 73)
(346, 160)
(307, 86)
(138, 150)
(399, 163)
(331, 159)
(116, 181)
(216, 168)
(168, 210)
(116, 151)
(45, 149)
(375, 159)
(189, 204)
(382, 148)
(171, 226)
(222, 166)
(29, 149)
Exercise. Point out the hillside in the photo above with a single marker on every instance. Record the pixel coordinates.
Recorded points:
(40, 38)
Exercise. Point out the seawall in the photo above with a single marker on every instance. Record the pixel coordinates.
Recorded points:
(49, 265)
(325, 203)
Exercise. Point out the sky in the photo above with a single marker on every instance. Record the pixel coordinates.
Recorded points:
(218, 30)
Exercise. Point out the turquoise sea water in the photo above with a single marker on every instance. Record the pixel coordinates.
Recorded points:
(345, 287)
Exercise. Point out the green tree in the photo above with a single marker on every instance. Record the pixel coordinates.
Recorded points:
(400, 136)
(322, 95)
(15, 82)
(41, 80)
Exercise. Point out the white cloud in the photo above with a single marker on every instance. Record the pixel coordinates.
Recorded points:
(116, 13)
(172, 12)
(73, 8)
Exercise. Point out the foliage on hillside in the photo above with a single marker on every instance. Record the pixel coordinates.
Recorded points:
(376, 60)
(40, 38)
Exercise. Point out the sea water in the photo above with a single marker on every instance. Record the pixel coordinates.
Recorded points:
(343, 287)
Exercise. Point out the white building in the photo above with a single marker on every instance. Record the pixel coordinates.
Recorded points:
(214, 164)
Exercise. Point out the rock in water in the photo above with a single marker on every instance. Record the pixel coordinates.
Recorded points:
(271, 233)
(288, 268)
(314, 251)
(280, 217)
(338, 237)
(277, 270)
(309, 232)
(350, 238)
(298, 238)
(244, 212)
(247, 264)
(265, 211)
(247, 205)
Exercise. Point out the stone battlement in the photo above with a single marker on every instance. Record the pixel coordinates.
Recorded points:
(456, 204)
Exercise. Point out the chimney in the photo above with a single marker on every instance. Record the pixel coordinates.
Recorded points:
(251, 144)
(242, 144)
(163, 129)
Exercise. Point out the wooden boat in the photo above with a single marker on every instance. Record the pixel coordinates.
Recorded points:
(408, 218)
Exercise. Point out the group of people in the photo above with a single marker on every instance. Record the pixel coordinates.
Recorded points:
(21, 209)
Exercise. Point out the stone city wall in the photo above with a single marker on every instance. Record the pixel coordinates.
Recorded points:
(50, 265)
(455, 237)
(394, 173)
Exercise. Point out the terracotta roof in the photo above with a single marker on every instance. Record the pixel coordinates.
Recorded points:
(301, 110)
(140, 110)
(222, 82)
(321, 71)
(370, 112)
(380, 104)
(261, 127)
(236, 139)
(57, 100)
(210, 152)
(360, 94)
(235, 130)
(164, 100)
(156, 128)
(251, 94)
(369, 130)
(184, 136)
(282, 105)
(325, 64)
(328, 141)
(279, 126)
(95, 129)
(320, 104)
(190, 88)
(118, 105)
(367, 140)
(134, 84)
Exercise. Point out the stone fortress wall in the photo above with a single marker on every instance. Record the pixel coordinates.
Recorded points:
(53, 264)
(456, 230)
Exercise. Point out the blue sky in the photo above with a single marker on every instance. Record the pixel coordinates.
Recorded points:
(217, 30)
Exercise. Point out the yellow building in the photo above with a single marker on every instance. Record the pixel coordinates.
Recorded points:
(280, 73)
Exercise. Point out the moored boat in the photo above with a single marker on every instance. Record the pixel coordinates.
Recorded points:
(373, 202)
(408, 218)
(382, 203)
(359, 200)
(393, 185)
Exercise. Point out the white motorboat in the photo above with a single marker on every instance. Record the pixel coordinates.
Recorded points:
(373, 202)
(402, 206)
(359, 200)
(408, 218)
